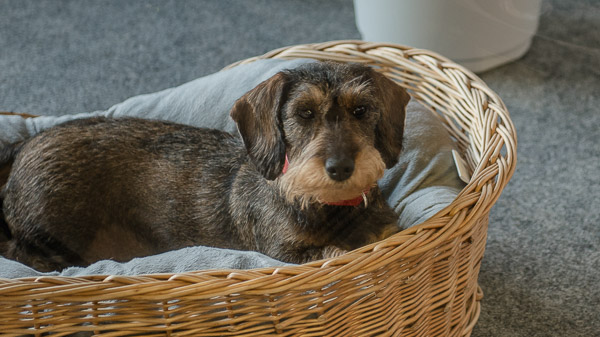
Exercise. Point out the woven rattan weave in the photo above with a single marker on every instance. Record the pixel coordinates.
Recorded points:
(420, 282)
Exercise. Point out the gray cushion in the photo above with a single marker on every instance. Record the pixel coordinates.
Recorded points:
(423, 182)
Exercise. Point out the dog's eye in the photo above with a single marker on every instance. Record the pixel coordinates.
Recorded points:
(306, 114)
(359, 111)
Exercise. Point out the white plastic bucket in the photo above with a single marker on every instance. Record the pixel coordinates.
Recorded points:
(479, 34)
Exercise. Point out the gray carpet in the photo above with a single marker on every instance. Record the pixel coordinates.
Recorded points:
(541, 269)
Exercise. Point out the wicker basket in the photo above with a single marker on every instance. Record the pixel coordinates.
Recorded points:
(420, 282)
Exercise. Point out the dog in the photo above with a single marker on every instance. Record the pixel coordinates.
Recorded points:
(299, 182)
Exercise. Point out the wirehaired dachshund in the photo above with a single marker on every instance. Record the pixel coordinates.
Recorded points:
(299, 182)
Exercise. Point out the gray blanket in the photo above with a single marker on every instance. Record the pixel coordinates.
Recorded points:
(422, 183)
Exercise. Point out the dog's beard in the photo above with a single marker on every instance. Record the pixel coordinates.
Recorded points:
(306, 180)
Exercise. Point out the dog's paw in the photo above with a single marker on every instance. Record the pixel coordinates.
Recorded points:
(333, 251)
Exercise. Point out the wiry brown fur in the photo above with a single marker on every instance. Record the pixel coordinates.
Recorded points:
(307, 182)
(119, 188)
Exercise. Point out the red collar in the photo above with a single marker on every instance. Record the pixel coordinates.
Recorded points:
(350, 202)
(285, 165)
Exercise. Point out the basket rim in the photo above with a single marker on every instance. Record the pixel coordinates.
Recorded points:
(487, 180)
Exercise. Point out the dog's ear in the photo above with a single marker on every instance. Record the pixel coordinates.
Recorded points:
(258, 118)
(390, 128)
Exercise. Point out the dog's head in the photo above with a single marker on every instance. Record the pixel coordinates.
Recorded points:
(334, 127)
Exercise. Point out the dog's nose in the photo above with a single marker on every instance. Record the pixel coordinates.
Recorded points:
(339, 169)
